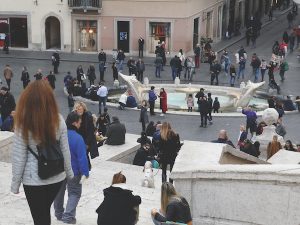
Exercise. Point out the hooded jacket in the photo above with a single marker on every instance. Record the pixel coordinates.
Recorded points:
(118, 206)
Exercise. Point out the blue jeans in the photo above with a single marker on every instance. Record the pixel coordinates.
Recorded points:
(241, 72)
(157, 71)
(232, 80)
(226, 68)
(256, 74)
(120, 67)
(74, 194)
(174, 72)
(102, 100)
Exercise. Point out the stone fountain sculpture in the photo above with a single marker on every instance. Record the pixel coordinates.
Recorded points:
(240, 96)
(270, 116)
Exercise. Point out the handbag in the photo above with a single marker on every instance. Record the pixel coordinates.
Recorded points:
(50, 160)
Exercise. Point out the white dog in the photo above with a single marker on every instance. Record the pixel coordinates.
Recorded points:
(148, 180)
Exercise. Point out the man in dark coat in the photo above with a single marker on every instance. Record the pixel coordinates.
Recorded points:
(7, 103)
(204, 107)
(116, 132)
(102, 62)
(55, 61)
(143, 155)
(214, 72)
(141, 47)
(51, 79)
(197, 52)
(210, 107)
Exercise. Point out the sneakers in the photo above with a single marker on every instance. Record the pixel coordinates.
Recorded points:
(72, 221)
(162, 114)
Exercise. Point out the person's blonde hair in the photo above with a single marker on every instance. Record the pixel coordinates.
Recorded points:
(166, 131)
(80, 104)
(168, 192)
(37, 113)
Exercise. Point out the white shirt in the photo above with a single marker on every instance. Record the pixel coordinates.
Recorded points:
(102, 91)
(123, 99)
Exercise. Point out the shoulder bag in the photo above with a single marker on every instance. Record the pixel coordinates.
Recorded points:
(50, 160)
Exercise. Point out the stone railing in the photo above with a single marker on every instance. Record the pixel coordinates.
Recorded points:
(5, 145)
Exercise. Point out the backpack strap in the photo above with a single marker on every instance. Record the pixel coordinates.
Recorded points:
(32, 152)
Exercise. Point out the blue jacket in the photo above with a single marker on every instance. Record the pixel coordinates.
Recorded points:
(131, 102)
(152, 96)
(78, 154)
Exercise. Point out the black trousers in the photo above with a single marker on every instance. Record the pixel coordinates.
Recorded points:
(102, 75)
(151, 108)
(203, 119)
(141, 52)
(40, 199)
(164, 171)
(55, 68)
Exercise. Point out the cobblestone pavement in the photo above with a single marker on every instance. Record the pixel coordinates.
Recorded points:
(187, 126)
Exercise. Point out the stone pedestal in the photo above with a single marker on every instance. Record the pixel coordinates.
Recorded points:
(5, 145)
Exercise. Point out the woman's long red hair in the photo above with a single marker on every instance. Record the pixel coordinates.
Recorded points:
(37, 113)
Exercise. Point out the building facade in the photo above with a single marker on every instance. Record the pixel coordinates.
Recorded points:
(91, 25)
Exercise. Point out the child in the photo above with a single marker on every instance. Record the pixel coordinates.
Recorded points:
(190, 103)
(216, 105)
(70, 101)
(101, 124)
(263, 68)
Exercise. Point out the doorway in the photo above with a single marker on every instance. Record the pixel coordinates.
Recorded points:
(52, 33)
(196, 32)
(123, 35)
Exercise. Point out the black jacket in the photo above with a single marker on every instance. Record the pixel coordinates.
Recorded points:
(117, 207)
(7, 104)
(87, 131)
(116, 133)
(141, 157)
(169, 149)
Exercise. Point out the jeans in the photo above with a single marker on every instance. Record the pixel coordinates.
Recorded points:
(120, 66)
(74, 194)
(255, 73)
(157, 71)
(40, 199)
(226, 68)
(232, 80)
(102, 100)
(262, 72)
(152, 107)
(241, 72)
(174, 72)
(140, 76)
(203, 119)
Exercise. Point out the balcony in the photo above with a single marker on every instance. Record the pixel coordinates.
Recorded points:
(85, 5)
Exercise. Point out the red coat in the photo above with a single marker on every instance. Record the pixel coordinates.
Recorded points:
(163, 101)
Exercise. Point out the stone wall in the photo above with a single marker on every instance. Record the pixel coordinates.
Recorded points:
(5, 145)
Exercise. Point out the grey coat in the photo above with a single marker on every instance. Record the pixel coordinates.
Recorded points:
(25, 165)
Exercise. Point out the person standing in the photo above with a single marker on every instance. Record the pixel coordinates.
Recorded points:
(87, 131)
(143, 115)
(263, 68)
(141, 47)
(38, 75)
(55, 61)
(210, 107)
(80, 74)
(204, 107)
(197, 52)
(284, 66)
(251, 123)
(290, 19)
(158, 65)
(91, 74)
(215, 71)
(102, 93)
(102, 64)
(242, 66)
(140, 68)
(255, 63)
(8, 75)
(232, 73)
(7, 103)
(169, 146)
(25, 77)
(131, 66)
(115, 71)
(80, 169)
(40, 193)
(163, 101)
(175, 66)
(151, 99)
(120, 59)
(51, 79)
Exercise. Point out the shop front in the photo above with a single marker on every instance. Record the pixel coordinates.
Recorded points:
(86, 35)
(159, 33)
(16, 29)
